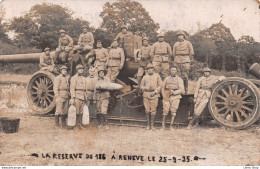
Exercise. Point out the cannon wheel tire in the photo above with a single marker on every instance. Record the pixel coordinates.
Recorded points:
(234, 103)
(40, 94)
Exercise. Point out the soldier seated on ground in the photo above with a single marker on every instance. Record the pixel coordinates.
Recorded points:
(120, 36)
(47, 62)
(203, 92)
(65, 45)
(86, 41)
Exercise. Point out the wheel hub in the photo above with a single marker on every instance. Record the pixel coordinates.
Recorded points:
(234, 103)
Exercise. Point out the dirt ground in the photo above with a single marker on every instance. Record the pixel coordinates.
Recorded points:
(38, 135)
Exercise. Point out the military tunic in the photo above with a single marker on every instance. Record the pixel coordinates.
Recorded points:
(101, 58)
(77, 91)
(46, 62)
(203, 92)
(150, 85)
(172, 88)
(90, 87)
(161, 53)
(182, 50)
(120, 37)
(85, 42)
(61, 91)
(65, 43)
(145, 58)
(102, 97)
(115, 63)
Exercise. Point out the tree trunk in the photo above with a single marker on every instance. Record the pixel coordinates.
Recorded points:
(223, 63)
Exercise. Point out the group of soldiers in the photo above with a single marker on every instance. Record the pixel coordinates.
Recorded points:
(154, 76)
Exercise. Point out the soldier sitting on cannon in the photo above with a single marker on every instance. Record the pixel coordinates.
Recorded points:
(47, 62)
(120, 36)
(86, 41)
(203, 92)
(65, 45)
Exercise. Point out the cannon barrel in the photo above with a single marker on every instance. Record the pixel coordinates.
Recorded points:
(21, 58)
(255, 70)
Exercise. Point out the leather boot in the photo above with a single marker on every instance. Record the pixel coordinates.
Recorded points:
(57, 120)
(192, 121)
(152, 122)
(148, 121)
(63, 120)
(105, 121)
(172, 122)
(163, 122)
(98, 120)
(80, 120)
(185, 81)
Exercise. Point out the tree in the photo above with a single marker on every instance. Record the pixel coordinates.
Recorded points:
(129, 13)
(40, 26)
(3, 35)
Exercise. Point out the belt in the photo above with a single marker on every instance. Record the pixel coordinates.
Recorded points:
(149, 90)
(161, 54)
(203, 88)
(63, 89)
(172, 89)
(182, 54)
(115, 58)
(90, 90)
(81, 90)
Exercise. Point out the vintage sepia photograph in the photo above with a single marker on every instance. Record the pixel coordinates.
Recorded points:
(129, 83)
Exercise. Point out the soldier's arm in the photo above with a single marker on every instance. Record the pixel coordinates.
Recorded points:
(71, 40)
(163, 86)
(122, 58)
(56, 86)
(197, 87)
(80, 40)
(118, 36)
(152, 51)
(191, 49)
(59, 46)
(159, 83)
(142, 85)
(72, 88)
(42, 64)
(174, 51)
(169, 50)
(92, 38)
(106, 55)
(181, 87)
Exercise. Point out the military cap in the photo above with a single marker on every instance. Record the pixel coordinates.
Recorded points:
(99, 41)
(84, 26)
(122, 27)
(46, 49)
(79, 67)
(160, 35)
(181, 33)
(149, 65)
(206, 69)
(145, 38)
(62, 31)
(101, 69)
(91, 69)
(63, 67)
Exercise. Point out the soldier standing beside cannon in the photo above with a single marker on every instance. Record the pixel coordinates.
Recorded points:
(61, 91)
(102, 97)
(143, 59)
(65, 45)
(101, 56)
(120, 36)
(47, 62)
(115, 61)
(78, 95)
(90, 85)
(182, 50)
(172, 88)
(202, 93)
(86, 40)
(161, 53)
(150, 85)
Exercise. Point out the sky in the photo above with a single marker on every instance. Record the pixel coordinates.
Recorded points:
(241, 16)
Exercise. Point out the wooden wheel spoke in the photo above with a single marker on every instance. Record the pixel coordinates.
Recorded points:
(225, 114)
(221, 97)
(221, 109)
(241, 92)
(224, 91)
(49, 91)
(248, 102)
(220, 103)
(49, 86)
(35, 88)
(38, 101)
(238, 116)
(37, 83)
(236, 89)
(232, 116)
(243, 113)
(247, 108)
(230, 90)
(49, 95)
(246, 96)
(34, 92)
(47, 98)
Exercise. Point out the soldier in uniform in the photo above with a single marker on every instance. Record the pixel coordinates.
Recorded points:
(182, 50)
(77, 91)
(172, 88)
(61, 91)
(90, 85)
(120, 36)
(86, 40)
(161, 53)
(115, 61)
(47, 62)
(150, 85)
(143, 59)
(203, 92)
(102, 97)
(65, 44)
(101, 56)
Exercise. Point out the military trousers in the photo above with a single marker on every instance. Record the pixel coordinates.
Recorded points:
(183, 70)
(62, 105)
(102, 105)
(170, 105)
(200, 105)
(162, 68)
(85, 47)
(79, 104)
(112, 73)
(150, 105)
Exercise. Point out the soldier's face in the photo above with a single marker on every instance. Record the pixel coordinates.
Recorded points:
(115, 44)
(161, 39)
(150, 71)
(80, 71)
(173, 71)
(47, 52)
(64, 71)
(206, 74)
(124, 30)
(85, 30)
(145, 42)
(180, 37)
(101, 73)
(99, 45)
(91, 73)
(62, 34)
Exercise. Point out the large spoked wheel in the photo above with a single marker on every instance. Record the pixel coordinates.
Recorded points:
(235, 103)
(40, 94)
